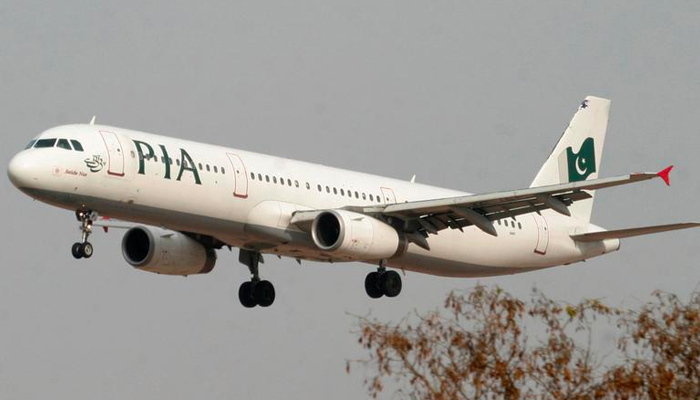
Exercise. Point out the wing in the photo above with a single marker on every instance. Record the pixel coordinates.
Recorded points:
(424, 217)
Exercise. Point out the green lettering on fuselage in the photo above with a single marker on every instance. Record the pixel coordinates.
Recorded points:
(166, 161)
(142, 156)
(186, 164)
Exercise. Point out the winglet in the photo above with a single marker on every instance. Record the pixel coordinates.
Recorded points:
(664, 174)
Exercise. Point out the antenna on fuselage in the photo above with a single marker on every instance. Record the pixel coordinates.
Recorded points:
(413, 179)
(92, 121)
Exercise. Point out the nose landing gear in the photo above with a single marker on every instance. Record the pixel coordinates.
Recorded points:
(255, 292)
(83, 249)
(383, 283)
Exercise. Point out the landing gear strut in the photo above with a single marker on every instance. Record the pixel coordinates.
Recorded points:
(254, 292)
(83, 249)
(383, 283)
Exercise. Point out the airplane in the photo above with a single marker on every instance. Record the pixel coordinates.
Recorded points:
(182, 200)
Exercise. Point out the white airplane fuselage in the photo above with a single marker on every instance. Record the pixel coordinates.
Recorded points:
(228, 197)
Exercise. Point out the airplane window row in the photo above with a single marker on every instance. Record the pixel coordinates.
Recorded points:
(209, 168)
(512, 223)
(336, 191)
(60, 143)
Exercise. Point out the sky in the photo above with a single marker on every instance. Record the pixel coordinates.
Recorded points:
(466, 95)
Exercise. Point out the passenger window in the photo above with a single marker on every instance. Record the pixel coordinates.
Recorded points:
(177, 162)
(318, 187)
(260, 177)
(208, 169)
(328, 190)
(357, 195)
(308, 187)
(335, 191)
(342, 192)
(30, 145)
(498, 222)
(200, 167)
(520, 226)
(216, 169)
(364, 196)
(296, 183)
(274, 179)
(223, 171)
(512, 224)
(282, 181)
(170, 160)
(350, 194)
(379, 199)
(155, 158)
(371, 198)
(252, 175)
(63, 144)
(44, 143)
(76, 145)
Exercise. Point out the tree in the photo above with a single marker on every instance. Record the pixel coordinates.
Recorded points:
(488, 344)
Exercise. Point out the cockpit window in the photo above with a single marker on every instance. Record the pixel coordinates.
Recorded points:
(63, 144)
(30, 145)
(76, 145)
(43, 143)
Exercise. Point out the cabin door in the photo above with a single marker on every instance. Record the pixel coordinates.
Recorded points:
(115, 153)
(240, 176)
(542, 234)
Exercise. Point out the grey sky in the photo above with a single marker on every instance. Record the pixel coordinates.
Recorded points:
(465, 95)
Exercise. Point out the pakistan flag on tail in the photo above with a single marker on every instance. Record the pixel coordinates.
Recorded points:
(577, 155)
(582, 164)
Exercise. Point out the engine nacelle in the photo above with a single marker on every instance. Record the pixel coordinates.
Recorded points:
(356, 236)
(166, 252)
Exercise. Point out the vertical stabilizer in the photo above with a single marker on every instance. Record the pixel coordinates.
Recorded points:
(577, 155)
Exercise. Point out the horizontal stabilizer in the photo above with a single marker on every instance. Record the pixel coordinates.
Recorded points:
(625, 233)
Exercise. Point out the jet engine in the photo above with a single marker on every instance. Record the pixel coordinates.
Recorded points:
(355, 236)
(166, 252)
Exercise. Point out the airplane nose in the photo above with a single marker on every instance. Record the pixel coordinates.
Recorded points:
(19, 170)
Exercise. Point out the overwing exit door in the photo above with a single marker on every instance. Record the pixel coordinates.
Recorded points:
(115, 153)
(388, 196)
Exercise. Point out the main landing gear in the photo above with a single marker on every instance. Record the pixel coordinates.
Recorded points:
(254, 292)
(383, 283)
(83, 249)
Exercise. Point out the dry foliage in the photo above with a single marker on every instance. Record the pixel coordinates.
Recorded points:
(478, 348)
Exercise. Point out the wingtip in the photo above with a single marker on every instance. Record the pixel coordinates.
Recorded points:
(664, 174)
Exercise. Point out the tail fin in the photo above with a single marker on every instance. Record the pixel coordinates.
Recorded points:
(577, 155)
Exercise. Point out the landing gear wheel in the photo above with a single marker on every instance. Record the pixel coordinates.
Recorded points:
(245, 295)
(372, 285)
(76, 250)
(86, 250)
(390, 282)
(264, 293)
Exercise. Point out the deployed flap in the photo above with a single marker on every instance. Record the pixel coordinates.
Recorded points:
(625, 233)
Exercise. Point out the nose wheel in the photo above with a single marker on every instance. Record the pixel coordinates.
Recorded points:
(255, 292)
(383, 283)
(83, 249)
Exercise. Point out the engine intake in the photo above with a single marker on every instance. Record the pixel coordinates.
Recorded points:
(166, 252)
(355, 236)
